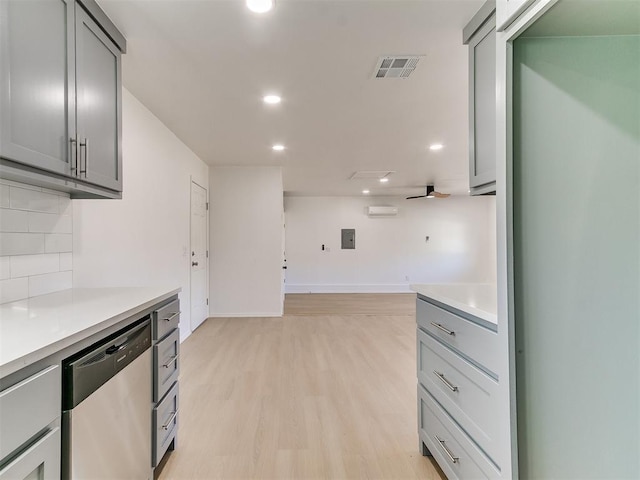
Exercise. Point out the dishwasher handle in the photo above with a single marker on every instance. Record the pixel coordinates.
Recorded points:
(124, 343)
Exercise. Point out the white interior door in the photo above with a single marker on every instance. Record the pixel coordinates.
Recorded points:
(284, 262)
(199, 256)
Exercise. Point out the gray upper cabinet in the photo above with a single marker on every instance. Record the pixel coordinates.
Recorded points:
(37, 113)
(60, 99)
(98, 97)
(480, 35)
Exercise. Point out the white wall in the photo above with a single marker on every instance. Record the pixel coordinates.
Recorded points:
(245, 241)
(142, 239)
(391, 252)
(35, 241)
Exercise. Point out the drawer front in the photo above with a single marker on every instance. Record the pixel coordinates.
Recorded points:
(28, 407)
(166, 364)
(453, 450)
(40, 461)
(165, 423)
(165, 319)
(472, 340)
(467, 393)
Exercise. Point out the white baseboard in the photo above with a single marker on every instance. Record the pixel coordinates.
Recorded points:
(374, 288)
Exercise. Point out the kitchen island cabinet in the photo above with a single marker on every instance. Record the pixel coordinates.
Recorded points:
(459, 375)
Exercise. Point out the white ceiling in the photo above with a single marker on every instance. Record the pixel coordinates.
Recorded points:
(202, 67)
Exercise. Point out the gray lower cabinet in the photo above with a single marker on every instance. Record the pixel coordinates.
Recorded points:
(30, 434)
(165, 336)
(60, 100)
(480, 35)
(458, 418)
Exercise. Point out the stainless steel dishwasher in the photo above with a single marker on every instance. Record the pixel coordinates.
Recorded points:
(106, 402)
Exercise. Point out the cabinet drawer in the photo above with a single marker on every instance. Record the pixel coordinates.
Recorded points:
(467, 393)
(165, 423)
(473, 341)
(28, 407)
(165, 319)
(41, 460)
(455, 453)
(166, 364)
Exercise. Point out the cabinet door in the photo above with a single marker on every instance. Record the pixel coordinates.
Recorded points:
(482, 106)
(37, 70)
(41, 461)
(98, 97)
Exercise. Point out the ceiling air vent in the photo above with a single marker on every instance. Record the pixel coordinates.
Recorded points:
(398, 66)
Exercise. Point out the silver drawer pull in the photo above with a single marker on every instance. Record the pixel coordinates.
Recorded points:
(170, 362)
(446, 450)
(168, 319)
(440, 327)
(170, 421)
(452, 387)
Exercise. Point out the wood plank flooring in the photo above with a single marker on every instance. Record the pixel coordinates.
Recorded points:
(306, 396)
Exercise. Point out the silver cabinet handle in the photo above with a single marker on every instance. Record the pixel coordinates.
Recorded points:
(440, 327)
(84, 144)
(168, 319)
(452, 387)
(73, 158)
(446, 450)
(170, 421)
(170, 362)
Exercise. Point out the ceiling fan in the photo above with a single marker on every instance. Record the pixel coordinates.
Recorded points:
(430, 193)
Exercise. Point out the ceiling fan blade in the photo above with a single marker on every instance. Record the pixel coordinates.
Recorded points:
(417, 196)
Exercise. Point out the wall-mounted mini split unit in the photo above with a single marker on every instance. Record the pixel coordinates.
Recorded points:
(374, 211)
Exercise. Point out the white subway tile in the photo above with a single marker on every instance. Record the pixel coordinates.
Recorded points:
(65, 205)
(22, 243)
(49, 223)
(51, 282)
(4, 196)
(26, 265)
(25, 199)
(14, 289)
(66, 261)
(58, 242)
(5, 268)
(14, 220)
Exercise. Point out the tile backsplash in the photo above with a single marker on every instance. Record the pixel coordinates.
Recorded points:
(36, 236)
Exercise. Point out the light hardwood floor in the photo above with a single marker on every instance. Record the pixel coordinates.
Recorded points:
(309, 395)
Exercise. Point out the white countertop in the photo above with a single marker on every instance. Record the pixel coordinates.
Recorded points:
(477, 299)
(35, 328)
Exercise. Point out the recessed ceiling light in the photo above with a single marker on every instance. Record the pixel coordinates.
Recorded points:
(271, 99)
(260, 6)
(436, 146)
(278, 147)
(366, 192)
(384, 180)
